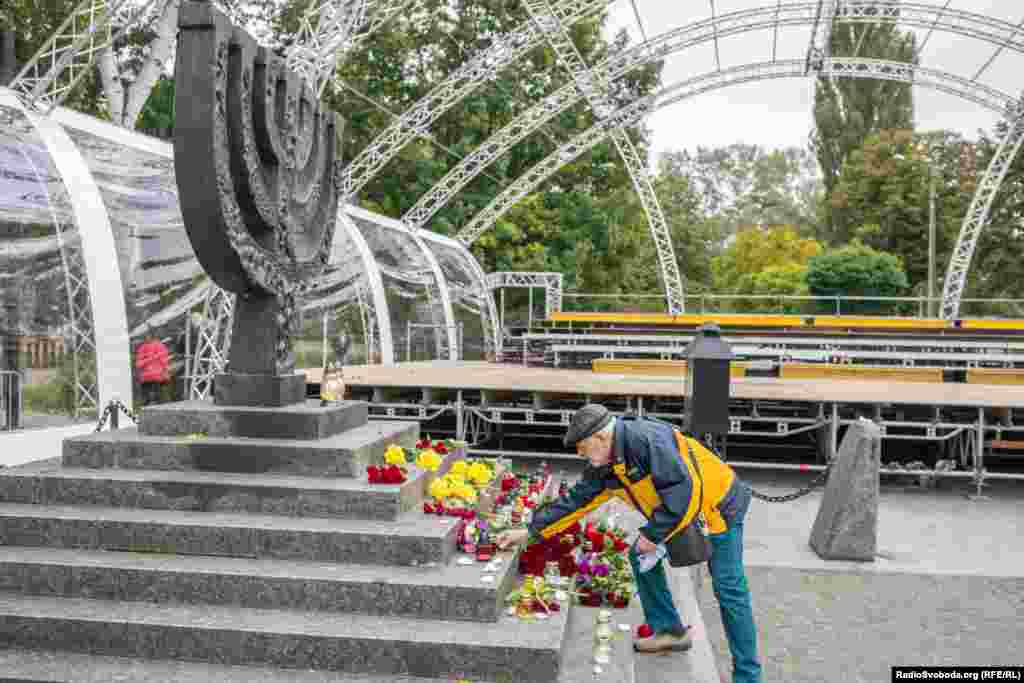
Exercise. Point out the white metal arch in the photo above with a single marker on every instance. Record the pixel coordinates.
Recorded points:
(437, 284)
(596, 89)
(794, 14)
(380, 337)
(109, 329)
(717, 80)
(417, 119)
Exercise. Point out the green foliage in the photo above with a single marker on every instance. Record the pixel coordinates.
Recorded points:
(848, 110)
(882, 198)
(57, 397)
(157, 116)
(764, 261)
(857, 270)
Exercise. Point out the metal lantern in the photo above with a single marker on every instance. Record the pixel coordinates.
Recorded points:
(706, 388)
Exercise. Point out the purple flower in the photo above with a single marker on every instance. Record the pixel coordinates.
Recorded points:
(601, 570)
(584, 567)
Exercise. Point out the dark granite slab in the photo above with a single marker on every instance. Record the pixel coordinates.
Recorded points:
(47, 483)
(41, 666)
(306, 420)
(233, 389)
(342, 455)
(506, 650)
(450, 592)
(412, 539)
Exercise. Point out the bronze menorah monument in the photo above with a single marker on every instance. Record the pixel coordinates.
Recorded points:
(255, 154)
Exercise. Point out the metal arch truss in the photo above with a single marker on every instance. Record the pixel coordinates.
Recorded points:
(330, 29)
(717, 80)
(795, 14)
(326, 32)
(820, 47)
(478, 70)
(978, 214)
(595, 87)
(213, 342)
(551, 282)
(67, 56)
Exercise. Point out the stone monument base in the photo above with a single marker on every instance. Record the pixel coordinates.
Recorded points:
(236, 389)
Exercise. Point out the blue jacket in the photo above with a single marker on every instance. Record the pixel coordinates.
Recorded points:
(661, 479)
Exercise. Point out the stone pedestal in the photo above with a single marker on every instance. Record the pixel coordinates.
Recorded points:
(847, 524)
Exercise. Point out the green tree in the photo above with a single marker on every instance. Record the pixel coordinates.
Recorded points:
(857, 270)
(763, 260)
(883, 197)
(157, 116)
(848, 110)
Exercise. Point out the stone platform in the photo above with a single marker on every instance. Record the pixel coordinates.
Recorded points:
(224, 543)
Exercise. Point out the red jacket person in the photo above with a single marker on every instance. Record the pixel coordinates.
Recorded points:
(648, 456)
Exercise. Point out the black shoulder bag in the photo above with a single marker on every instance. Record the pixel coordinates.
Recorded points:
(690, 545)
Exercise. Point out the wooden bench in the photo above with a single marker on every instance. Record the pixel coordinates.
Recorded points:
(859, 372)
(650, 367)
(995, 376)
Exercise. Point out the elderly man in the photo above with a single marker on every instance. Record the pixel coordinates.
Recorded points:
(649, 455)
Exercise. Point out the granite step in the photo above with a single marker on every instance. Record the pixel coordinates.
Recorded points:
(412, 539)
(504, 650)
(448, 592)
(342, 455)
(48, 483)
(306, 421)
(43, 666)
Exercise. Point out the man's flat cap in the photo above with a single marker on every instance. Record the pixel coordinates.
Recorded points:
(586, 421)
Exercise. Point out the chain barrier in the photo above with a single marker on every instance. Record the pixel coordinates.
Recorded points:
(800, 493)
(112, 407)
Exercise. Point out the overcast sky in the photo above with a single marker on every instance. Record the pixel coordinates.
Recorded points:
(778, 113)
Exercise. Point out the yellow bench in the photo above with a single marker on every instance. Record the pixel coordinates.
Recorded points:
(995, 376)
(856, 372)
(660, 368)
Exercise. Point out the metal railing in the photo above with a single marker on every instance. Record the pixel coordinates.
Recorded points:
(896, 306)
(12, 402)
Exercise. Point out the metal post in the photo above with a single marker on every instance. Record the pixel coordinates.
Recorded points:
(839, 308)
(529, 295)
(188, 356)
(460, 422)
(503, 311)
(979, 465)
(323, 341)
(931, 241)
(114, 417)
(408, 341)
(834, 441)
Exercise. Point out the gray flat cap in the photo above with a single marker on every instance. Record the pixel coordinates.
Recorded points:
(586, 421)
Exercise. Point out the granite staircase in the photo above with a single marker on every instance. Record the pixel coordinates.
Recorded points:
(243, 543)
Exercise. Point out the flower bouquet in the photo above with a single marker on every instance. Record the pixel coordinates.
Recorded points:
(394, 470)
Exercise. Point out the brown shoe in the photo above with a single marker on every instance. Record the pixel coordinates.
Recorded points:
(664, 642)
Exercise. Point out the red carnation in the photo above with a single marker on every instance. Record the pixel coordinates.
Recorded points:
(373, 474)
(393, 475)
(428, 508)
(620, 545)
(423, 443)
(644, 631)
(440, 449)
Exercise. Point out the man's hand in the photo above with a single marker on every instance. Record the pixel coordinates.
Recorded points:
(512, 537)
(643, 546)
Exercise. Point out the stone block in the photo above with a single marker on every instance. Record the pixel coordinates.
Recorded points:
(351, 644)
(306, 420)
(846, 527)
(452, 592)
(350, 498)
(342, 455)
(231, 389)
(413, 539)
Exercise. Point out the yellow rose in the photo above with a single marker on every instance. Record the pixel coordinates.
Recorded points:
(429, 460)
(394, 455)
(480, 473)
(439, 489)
(455, 478)
(465, 492)
(459, 468)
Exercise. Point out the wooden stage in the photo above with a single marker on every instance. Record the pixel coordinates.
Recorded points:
(497, 377)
